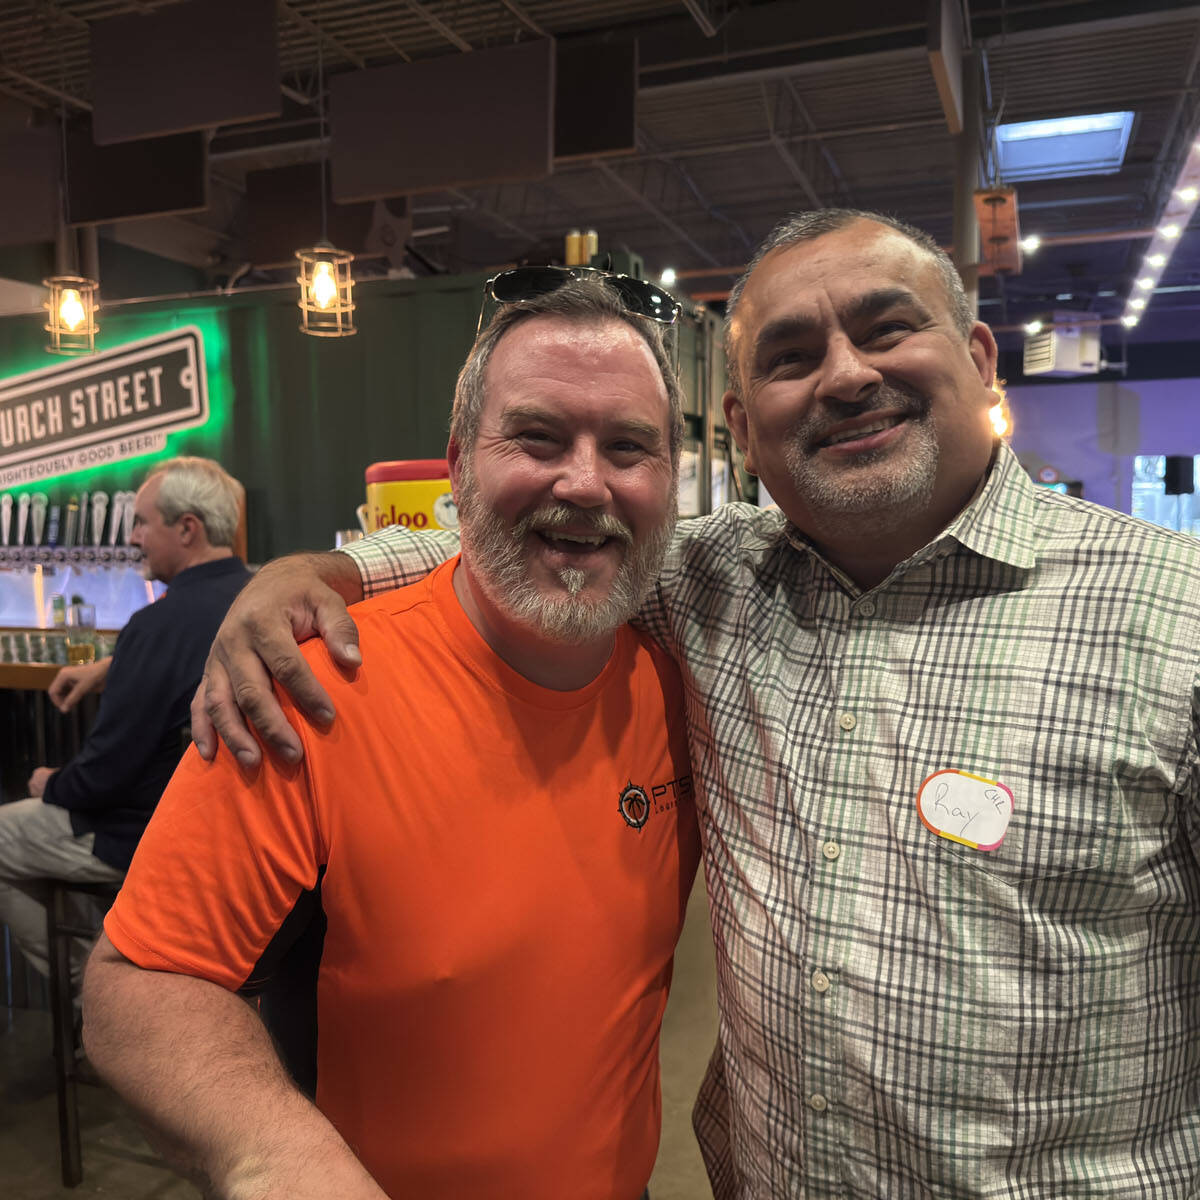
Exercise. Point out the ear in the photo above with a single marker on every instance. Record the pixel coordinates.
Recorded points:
(982, 347)
(189, 528)
(736, 423)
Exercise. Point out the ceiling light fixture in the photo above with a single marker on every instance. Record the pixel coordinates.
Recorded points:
(1032, 327)
(1181, 205)
(325, 279)
(1031, 243)
(71, 305)
(71, 319)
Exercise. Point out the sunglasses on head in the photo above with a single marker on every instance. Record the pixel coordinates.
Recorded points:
(637, 296)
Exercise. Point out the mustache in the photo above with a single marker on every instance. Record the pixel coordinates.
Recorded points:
(553, 517)
(814, 428)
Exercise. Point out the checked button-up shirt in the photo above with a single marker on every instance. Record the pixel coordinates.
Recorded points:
(903, 1014)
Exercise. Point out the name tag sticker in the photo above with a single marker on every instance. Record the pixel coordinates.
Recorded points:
(965, 808)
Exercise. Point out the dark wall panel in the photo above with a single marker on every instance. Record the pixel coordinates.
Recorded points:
(29, 201)
(453, 121)
(136, 179)
(595, 99)
(183, 67)
(283, 214)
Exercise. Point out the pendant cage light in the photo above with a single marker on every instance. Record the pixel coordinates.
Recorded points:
(71, 320)
(326, 291)
(326, 283)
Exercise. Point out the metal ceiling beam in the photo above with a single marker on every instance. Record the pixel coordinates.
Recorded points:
(525, 19)
(299, 19)
(826, 153)
(499, 218)
(437, 23)
(704, 18)
(786, 155)
(28, 81)
(653, 209)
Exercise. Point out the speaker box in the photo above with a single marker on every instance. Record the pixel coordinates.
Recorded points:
(1179, 476)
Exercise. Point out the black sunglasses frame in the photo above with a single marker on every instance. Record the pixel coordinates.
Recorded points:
(638, 296)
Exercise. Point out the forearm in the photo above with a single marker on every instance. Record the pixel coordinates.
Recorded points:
(195, 1063)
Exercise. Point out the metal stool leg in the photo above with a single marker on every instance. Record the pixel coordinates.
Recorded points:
(63, 1014)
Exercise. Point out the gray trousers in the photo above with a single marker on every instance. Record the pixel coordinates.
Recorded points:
(37, 843)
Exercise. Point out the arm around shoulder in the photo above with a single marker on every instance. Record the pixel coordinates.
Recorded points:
(195, 1063)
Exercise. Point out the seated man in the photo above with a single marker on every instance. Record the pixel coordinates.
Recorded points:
(82, 822)
(501, 825)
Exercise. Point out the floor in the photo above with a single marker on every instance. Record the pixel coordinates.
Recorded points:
(117, 1162)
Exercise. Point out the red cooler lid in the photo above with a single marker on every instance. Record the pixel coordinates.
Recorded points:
(408, 468)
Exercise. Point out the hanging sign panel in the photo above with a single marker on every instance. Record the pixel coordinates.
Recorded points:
(109, 406)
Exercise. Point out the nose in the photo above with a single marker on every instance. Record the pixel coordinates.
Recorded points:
(582, 479)
(846, 373)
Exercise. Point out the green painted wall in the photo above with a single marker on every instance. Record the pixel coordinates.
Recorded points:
(297, 419)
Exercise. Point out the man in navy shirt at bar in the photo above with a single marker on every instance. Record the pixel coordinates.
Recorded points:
(82, 822)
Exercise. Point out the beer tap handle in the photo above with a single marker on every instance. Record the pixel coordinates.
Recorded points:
(22, 517)
(6, 503)
(99, 511)
(114, 522)
(39, 504)
(84, 512)
(127, 516)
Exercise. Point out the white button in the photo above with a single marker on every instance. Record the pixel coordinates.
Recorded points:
(866, 608)
(820, 981)
(847, 720)
(817, 1102)
(831, 850)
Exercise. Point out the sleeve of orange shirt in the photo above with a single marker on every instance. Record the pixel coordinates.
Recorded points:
(221, 864)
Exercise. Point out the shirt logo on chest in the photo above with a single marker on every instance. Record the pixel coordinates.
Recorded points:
(634, 805)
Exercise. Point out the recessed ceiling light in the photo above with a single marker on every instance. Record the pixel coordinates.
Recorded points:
(1129, 320)
(1032, 327)
(1137, 302)
(1030, 243)
(1145, 282)
(1156, 260)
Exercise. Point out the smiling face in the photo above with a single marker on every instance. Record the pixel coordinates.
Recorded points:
(566, 500)
(862, 407)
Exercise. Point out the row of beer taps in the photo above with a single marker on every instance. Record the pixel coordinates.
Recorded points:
(72, 532)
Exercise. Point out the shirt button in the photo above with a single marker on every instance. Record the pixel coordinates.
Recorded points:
(847, 721)
(866, 608)
(817, 1102)
(820, 981)
(831, 850)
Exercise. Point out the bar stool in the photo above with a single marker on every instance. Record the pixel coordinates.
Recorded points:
(60, 930)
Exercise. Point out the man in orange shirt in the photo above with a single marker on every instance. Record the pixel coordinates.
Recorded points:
(501, 826)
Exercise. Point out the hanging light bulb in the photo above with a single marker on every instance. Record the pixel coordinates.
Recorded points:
(71, 314)
(326, 291)
(324, 284)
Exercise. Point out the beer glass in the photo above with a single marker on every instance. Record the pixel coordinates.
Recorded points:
(81, 634)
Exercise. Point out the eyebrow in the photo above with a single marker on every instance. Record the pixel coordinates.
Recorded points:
(517, 413)
(861, 308)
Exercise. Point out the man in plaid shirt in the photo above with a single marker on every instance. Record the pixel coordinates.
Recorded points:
(944, 725)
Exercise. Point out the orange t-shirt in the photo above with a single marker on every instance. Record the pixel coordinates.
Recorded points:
(507, 870)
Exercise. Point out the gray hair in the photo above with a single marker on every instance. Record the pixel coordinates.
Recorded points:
(807, 227)
(203, 488)
(584, 301)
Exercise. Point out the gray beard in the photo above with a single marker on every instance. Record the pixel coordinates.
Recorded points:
(889, 496)
(495, 552)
